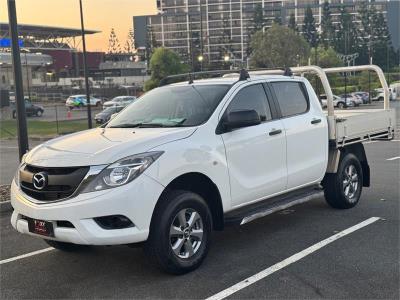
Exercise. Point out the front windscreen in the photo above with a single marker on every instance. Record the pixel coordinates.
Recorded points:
(171, 106)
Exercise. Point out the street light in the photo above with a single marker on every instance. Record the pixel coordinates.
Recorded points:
(200, 58)
(27, 72)
(226, 58)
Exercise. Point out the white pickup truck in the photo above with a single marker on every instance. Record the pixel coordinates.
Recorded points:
(189, 157)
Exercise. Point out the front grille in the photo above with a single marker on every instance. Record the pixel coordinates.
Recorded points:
(61, 182)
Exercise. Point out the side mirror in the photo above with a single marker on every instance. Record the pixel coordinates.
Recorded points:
(241, 118)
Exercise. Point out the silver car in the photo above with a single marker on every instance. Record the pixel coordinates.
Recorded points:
(119, 101)
(337, 102)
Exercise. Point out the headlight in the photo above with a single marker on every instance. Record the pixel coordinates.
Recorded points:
(122, 171)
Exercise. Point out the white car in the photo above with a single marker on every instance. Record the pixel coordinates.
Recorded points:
(379, 95)
(80, 101)
(119, 101)
(188, 158)
(337, 102)
(352, 98)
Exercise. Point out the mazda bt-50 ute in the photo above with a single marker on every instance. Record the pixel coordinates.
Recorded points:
(187, 158)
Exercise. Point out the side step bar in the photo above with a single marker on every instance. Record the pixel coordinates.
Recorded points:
(269, 206)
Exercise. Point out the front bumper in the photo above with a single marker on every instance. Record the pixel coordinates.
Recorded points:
(135, 200)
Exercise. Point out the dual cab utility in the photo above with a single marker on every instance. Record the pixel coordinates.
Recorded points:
(187, 158)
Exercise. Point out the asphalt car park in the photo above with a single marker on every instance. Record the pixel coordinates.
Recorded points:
(364, 263)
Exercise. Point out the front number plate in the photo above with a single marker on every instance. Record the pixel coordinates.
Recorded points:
(41, 227)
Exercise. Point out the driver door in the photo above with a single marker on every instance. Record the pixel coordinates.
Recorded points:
(256, 155)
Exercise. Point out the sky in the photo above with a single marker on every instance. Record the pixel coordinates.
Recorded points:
(99, 15)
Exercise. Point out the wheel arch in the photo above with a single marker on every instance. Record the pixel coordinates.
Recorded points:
(359, 151)
(200, 184)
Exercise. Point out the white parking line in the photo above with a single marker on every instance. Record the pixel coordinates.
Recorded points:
(4, 261)
(292, 259)
(394, 158)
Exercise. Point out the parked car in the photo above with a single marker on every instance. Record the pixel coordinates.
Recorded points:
(30, 109)
(105, 115)
(80, 101)
(119, 101)
(379, 95)
(363, 95)
(349, 97)
(11, 95)
(189, 158)
(337, 102)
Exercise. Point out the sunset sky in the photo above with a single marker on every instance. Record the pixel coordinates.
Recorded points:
(99, 15)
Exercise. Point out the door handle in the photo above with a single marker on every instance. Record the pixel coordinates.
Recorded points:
(275, 131)
(315, 121)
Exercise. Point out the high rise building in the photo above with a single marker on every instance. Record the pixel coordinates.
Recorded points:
(216, 29)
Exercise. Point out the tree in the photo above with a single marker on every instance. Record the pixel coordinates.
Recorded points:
(383, 52)
(278, 20)
(226, 48)
(292, 22)
(278, 47)
(164, 62)
(346, 41)
(309, 30)
(327, 57)
(258, 18)
(327, 27)
(130, 42)
(365, 33)
(151, 44)
(113, 43)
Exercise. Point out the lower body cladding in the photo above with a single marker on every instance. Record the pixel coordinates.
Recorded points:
(115, 216)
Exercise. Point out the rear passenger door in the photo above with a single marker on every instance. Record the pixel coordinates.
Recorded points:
(256, 155)
(306, 133)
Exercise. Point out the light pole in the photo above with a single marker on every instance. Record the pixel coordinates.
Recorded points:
(85, 69)
(200, 58)
(27, 74)
(226, 58)
(23, 145)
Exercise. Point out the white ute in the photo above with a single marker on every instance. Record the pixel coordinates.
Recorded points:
(188, 158)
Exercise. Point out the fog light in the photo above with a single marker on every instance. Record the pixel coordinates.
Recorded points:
(114, 222)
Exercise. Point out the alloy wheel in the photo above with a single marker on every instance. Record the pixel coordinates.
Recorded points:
(350, 182)
(186, 233)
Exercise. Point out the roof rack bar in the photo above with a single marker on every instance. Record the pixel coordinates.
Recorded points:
(186, 76)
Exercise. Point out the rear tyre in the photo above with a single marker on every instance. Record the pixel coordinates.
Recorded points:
(340, 105)
(180, 232)
(68, 247)
(39, 113)
(14, 114)
(343, 189)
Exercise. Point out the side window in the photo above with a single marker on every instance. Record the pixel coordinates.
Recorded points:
(251, 97)
(291, 98)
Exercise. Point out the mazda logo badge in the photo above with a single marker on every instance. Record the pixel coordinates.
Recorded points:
(40, 180)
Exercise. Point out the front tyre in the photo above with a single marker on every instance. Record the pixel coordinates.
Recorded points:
(68, 247)
(343, 189)
(180, 232)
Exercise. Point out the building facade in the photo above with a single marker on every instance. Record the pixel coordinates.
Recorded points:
(217, 28)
